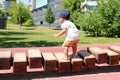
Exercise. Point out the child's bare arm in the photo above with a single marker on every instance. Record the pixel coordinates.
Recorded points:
(60, 33)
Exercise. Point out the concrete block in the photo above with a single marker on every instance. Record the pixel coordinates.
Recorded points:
(88, 58)
(34, 58)
(5, 59)
(100, 55)
(50, 61)
(63, 64)
(115, 49)
(113, 57)
(76, 64)
(20, 63)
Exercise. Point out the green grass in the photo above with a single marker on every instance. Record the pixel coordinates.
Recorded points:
(14, 36)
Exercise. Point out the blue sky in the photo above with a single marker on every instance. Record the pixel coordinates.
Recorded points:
(26, 2)
(40, 3)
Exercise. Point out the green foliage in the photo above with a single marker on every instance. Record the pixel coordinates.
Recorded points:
(1, 13)
(20, 13)
(29, 22)
(10, 0)
(74, 7)
(1, 5)
(91, 23)
(103, 22)
(49, 16)
(110, 13)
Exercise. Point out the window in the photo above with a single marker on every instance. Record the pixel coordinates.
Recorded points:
(50, 0)
(90, 0)
(91, 7)
(55, 5)
(41, 22)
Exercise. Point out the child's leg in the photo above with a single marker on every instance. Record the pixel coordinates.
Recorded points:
(74, 48)
(66, 45)
(66, 49)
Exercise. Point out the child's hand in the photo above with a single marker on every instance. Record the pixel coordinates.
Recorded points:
(56, 35)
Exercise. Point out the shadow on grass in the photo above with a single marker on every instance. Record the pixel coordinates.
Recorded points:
(56, 29)
(2, 40)
(83, 42)
(29, 28)
(15, 33)
(87, 35)
(11, 33)
(8, 41)
(28, 44)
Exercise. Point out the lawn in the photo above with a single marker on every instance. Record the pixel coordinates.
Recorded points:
(37, 36)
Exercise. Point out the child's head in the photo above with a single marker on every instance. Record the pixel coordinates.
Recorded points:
(64, 15)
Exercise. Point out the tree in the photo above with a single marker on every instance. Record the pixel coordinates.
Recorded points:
(110, 13)
(1, 5)
(20, 13)
(1, 13)
(91, 23)
(74, 7)
(49, 16)
(104, 21)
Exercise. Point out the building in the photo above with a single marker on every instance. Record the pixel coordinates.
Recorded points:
(89, 4)
(39, 9)
(5, 5)
(32, 5)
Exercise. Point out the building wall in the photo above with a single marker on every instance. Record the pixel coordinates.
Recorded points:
(5, 4)
(39, 13)
(31, 4)
(1, 2)
(56, 8)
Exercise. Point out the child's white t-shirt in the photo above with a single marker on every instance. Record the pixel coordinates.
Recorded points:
(72, 31)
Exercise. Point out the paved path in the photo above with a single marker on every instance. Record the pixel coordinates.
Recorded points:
(101, 72)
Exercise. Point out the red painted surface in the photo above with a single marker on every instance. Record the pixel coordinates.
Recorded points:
(88, 76)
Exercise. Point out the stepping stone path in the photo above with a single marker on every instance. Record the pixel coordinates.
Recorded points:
(56, 61)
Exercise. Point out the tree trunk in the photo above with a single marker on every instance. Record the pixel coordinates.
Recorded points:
(49, 25)
(20, 25)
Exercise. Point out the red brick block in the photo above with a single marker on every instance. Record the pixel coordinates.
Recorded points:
(34, 58)
(50, 61)
(113, 57)
(63, 64)
(100, 55)
(77, 64)
(20, 63)
(5, 59)
(89, 59)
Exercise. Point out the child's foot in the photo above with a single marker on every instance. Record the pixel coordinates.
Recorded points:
(70, 57)
(73, 56)
(66, 58)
